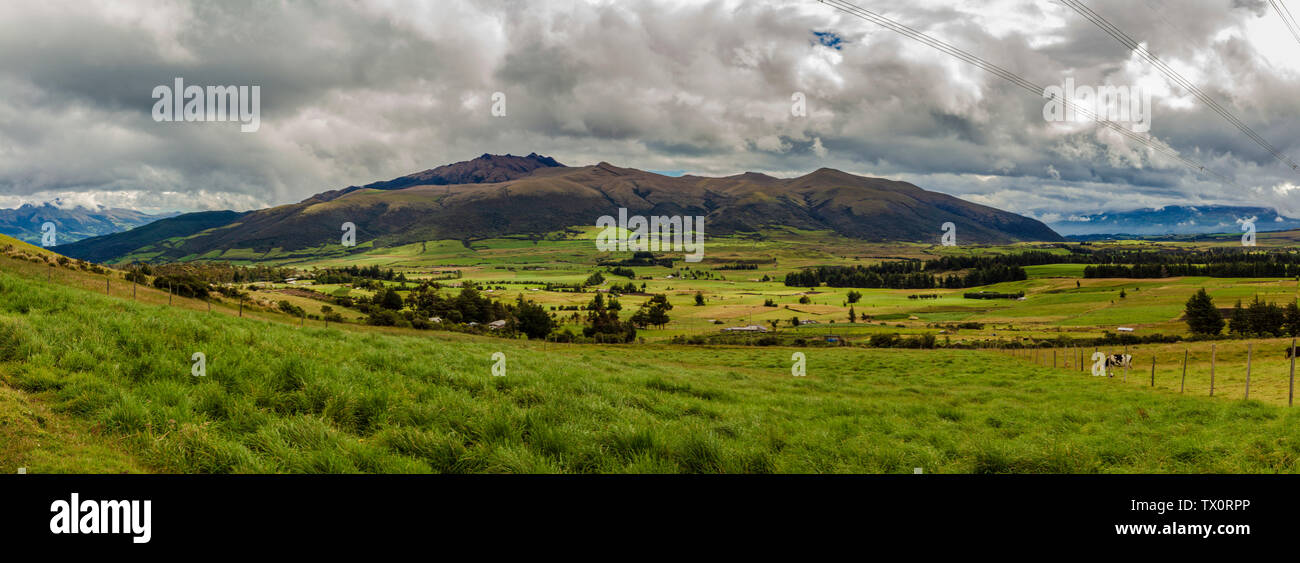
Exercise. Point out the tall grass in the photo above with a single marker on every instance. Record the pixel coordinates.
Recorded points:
(282, 399)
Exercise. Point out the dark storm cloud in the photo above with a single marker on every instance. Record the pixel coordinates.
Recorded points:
(354, 92)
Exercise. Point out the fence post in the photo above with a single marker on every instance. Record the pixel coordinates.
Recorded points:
(1053, 358)
(241, 307)
(1212, 356)
(106, 288)
(1153, 371)
(1183, 386)
(1290, 396)
(1250, 349)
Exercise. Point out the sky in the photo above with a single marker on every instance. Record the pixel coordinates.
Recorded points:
(355, 92)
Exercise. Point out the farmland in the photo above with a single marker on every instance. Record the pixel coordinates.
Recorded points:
(96, 374)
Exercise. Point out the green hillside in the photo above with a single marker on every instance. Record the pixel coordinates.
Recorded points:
(103, 384)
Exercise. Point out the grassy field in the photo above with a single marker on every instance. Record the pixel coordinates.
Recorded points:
(101, 383)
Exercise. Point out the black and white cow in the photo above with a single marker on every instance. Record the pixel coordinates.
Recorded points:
(1118, 361)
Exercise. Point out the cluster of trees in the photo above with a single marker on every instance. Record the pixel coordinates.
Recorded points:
(881, 340)
(993, 295)
(653, 312)
(907, 274)
(1265, 319)
(1268, 269)
(1260, 318)
(469, 306)
(213, 272)
(641, 258)
(184, 285)
(351, 274)
(603, 324)
(1119, 263)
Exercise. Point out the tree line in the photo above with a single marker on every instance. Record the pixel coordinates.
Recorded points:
(909, 274)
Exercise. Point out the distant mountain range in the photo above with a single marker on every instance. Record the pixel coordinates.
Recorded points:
(494, 195)
(70, 223)
(1174, 220)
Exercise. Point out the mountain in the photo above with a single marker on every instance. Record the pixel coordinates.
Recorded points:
(505, 195)
(486, 169)
(107, 248)
(1174, 220)
(71, 223)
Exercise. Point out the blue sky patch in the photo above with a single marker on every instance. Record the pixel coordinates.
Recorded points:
(829, 39)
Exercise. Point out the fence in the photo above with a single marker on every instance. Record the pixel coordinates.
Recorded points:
(1232, 367)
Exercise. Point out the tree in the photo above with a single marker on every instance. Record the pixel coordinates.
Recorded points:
(603, 322)
(854, 296)
(390, 300)
(699, 299)
(853, 315)
(1292, 322)
(1202, 316)
(1238, 323)
(532, 319)
(653, 312)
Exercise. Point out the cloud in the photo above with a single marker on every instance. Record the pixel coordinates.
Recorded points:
(358, 92)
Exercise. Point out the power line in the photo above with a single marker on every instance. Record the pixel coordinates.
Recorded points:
(1173, 75)
(1009, 76)
(1285, 13)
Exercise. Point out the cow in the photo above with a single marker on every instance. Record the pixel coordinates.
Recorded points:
(1118, 361)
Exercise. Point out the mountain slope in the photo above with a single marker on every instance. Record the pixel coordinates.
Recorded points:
(542, 196)
(71, 223)
(107, 248)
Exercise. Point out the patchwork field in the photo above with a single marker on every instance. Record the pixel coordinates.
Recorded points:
(96, 383)
(95, 373)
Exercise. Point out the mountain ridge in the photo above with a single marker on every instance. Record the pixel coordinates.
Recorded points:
(537, 195)
(71, 223)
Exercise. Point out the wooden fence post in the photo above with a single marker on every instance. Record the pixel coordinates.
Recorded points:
(1290, 396)
(1053, 358)
(1250, 349)
(1212, 356)
(1153, 371)
(1183, 386)
(106, 287)
(1130, 360)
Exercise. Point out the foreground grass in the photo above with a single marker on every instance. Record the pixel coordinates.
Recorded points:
(282, 399)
